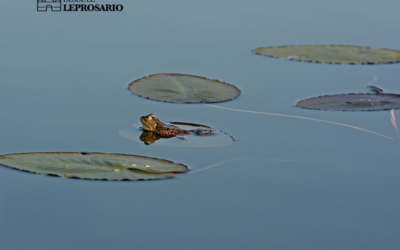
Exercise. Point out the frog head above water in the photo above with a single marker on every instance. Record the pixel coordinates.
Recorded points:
(150, 122)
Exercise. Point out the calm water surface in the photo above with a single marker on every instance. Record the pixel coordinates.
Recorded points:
(293, 184)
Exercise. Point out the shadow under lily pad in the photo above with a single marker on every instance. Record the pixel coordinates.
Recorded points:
(339, 54)
(97, 166)
(179, 88)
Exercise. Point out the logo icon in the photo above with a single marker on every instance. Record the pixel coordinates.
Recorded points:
(43, 5)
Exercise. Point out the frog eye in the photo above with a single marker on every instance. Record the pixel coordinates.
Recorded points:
(150, 117)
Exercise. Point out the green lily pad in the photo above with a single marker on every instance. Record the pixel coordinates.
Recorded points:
(180, 88)
(98, 166)
(353, 102)
(341, 54)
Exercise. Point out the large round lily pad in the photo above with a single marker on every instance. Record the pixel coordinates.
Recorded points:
(353, 102)
(180, 88)
(94, 165)
(341, 54)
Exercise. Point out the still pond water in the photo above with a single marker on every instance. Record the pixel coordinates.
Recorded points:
(285, 183)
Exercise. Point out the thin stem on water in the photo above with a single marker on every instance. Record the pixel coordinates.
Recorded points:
(304, 118)
(374, 77)
(254, 158)
(394, 123)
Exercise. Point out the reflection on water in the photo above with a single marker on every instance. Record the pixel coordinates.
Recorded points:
(149, 137)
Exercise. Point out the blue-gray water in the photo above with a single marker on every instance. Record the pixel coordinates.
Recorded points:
(63, 87)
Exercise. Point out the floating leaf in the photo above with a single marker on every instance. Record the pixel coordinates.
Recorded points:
(180, 88)
(94, 165)
(341, 54)
(218, 139)
(353, 102)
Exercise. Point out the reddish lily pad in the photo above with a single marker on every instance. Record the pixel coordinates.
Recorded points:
(340, 54)
(353, 102)
(179, 88)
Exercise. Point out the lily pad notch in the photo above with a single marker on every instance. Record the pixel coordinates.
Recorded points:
(337, 54)
(180, 88)
(96, 166)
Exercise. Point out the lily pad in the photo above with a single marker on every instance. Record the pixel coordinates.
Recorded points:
(353, 102)
(341, 54)
(218, 139)
(94, 165)
(180, 88)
